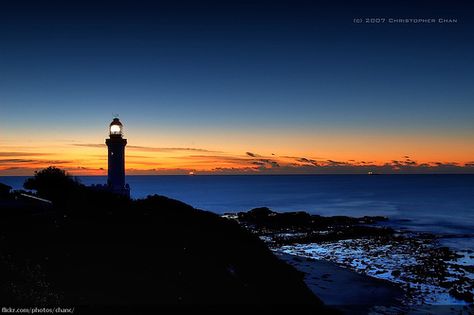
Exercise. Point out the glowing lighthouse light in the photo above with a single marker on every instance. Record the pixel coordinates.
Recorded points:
(116, 127)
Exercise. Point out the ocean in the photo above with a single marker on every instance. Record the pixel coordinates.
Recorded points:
(434, 203)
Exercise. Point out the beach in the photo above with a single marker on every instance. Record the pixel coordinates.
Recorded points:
(344, 289)
(353, 293)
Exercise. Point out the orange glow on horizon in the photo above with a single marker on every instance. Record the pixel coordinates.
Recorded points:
(246, 154)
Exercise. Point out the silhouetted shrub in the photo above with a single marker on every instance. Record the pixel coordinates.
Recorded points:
(53, 184)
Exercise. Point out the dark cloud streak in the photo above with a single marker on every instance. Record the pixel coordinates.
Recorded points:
(145, 148)
(13, 153)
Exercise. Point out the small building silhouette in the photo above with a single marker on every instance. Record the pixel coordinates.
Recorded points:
(116, 159)
(4, 191)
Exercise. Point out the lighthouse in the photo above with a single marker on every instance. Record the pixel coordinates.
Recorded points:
(116, 157)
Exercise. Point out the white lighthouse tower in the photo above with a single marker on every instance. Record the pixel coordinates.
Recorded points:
(116, 158)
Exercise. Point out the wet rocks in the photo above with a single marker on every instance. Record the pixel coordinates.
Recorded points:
(301, 227)
(428, 272)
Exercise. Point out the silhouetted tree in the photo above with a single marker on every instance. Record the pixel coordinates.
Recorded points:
(52, 183)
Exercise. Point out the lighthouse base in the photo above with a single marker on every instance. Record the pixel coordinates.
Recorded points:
(123, 191)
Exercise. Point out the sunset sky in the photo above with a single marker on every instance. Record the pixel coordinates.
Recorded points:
(237, 87)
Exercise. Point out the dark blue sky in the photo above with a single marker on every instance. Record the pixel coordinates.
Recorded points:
(209, 57)
(294, 67)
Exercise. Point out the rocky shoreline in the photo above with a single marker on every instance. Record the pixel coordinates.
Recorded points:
(428, 272)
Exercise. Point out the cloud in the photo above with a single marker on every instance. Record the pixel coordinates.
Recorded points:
(182, 160)
(16, 161)
(133, 156)
(262, 162)
(31, 161)
(233, 170)
(89, 145)
(159, 171)
(336, 163)
(266, 163)
(158, 149)
(145, 148)
(14, 153)
(310, 166)
(250, 160)
(299, 157)
(215, 158)
(441, 164)
(308, 161)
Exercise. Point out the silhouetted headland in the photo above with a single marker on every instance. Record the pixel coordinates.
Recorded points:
(95, 248)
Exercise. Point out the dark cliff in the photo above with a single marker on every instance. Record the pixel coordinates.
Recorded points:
(95, 248)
